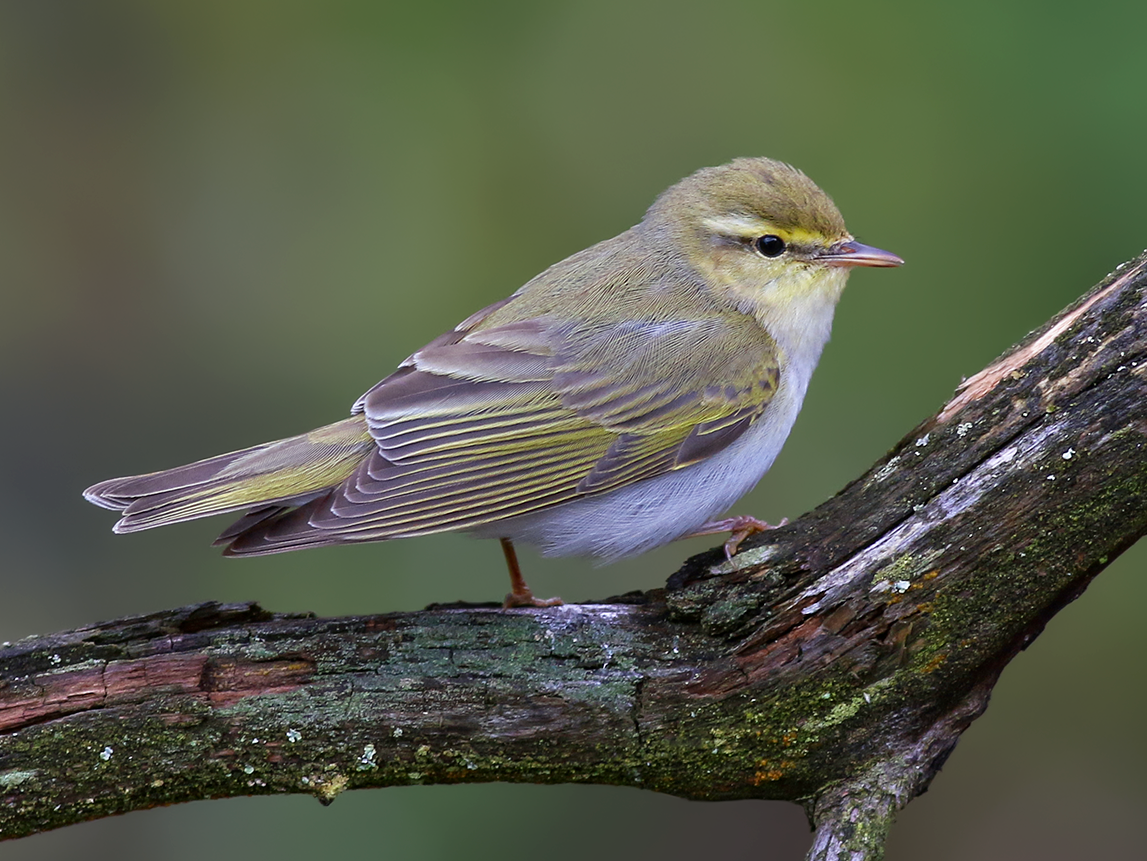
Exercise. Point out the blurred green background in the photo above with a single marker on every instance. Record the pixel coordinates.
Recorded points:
(220, 222)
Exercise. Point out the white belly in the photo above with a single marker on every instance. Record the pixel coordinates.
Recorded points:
(656, 511)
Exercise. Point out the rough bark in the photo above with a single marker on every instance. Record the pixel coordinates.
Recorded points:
(834, 662)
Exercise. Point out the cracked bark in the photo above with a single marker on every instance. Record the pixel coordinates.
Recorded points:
(834, 662)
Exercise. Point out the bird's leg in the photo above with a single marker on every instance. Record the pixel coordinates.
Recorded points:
(520, 594)
(742, 526)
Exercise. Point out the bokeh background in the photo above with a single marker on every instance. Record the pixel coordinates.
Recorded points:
(220, 222)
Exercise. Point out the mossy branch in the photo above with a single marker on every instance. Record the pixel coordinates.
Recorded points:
(835, 662)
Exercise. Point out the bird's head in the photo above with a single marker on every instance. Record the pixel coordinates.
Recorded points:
(762, 235)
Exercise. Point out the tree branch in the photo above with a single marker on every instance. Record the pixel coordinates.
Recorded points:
(834, 663)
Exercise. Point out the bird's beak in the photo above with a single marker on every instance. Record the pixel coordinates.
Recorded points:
(853, 253)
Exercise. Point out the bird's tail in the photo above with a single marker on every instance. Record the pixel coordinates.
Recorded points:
(273, 475)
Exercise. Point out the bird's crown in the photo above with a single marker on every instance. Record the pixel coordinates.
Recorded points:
(748, 196)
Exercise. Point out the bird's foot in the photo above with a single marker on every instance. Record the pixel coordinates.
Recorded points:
(527, 599)
(742, 526)
(520, 594)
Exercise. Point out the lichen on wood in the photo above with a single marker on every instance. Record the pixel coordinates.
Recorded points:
(834, 662)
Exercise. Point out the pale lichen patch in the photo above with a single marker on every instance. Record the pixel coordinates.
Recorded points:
(366, 761)
(887, 471)
(899, 574)
(751, 558)
(10, 779)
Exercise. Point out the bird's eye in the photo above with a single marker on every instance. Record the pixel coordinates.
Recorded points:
(770, 245)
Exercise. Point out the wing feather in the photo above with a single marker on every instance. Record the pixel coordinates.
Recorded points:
(505, 416)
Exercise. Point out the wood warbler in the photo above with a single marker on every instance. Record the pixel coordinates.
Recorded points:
(619, 400)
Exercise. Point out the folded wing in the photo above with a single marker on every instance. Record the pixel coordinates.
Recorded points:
(496, 420)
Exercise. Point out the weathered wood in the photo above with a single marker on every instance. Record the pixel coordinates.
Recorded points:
(835, 662)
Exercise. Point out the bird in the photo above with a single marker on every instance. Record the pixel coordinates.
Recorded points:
(621, 399)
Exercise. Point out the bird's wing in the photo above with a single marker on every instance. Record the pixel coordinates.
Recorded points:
(488, 423)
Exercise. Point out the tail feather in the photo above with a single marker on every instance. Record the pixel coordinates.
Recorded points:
(278, 530)
(252, 519)
(269, 478)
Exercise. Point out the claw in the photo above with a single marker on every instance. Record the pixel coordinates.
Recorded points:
(742, 526)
